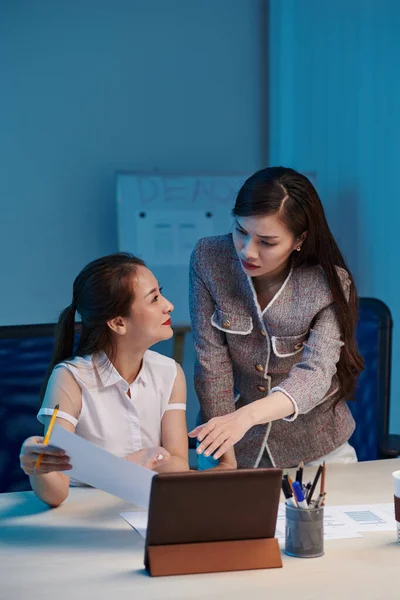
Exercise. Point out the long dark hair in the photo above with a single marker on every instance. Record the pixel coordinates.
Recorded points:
(102, 291)
(284, 191)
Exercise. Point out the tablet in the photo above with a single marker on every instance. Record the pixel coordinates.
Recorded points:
(213, 506)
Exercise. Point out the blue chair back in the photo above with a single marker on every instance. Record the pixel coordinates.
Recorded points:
(372, 400)
(25, 354)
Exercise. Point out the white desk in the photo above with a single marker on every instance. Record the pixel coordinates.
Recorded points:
(85, 550)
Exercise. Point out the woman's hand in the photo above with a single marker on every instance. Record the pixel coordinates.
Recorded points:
(149, 457)
(221, 433)
(227, 461)
(54, 459)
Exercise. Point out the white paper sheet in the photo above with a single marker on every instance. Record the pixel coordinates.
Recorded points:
(100, 469)
(367, 517)
(167, 237)
(388, 509)
(137, 520)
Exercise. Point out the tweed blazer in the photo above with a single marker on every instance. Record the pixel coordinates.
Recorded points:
(243, 354)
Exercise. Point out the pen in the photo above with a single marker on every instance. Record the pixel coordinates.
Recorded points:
(299, 495)
(299, 473)
(290, 501)
(48, 434)
(314, 484)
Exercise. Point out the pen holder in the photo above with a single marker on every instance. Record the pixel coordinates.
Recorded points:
(304, 532)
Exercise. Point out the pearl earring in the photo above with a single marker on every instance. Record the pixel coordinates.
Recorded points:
(298, 249)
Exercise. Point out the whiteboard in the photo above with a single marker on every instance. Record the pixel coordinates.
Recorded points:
(161, 217)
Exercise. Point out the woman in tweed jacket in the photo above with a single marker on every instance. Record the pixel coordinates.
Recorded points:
(274, 310)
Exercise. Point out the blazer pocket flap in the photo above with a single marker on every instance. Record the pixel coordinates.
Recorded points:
(290, 345)
(231, 323)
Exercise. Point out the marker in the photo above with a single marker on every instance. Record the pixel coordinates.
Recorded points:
(290, 501)
(298, 492)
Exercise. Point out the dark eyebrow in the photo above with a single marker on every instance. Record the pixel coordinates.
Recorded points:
(264, 237)
(151, 292)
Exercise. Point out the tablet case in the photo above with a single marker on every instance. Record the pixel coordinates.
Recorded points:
(211, 521)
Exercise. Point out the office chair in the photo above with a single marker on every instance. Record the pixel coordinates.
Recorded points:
(371, 407)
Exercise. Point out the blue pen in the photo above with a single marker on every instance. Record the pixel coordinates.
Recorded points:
(298, 492)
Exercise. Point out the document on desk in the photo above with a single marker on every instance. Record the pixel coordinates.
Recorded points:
(103, 470)
(368, 517)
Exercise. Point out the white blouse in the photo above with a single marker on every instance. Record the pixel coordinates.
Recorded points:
(109, 417)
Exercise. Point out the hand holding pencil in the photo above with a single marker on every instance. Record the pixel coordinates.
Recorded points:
(38, 456)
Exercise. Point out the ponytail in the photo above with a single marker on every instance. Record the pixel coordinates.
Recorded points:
(63, 343)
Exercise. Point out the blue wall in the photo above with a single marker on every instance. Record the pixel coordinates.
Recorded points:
(334, 105)
(94, 86)
(89, 87)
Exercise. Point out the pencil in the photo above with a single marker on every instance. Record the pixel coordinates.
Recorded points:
(322, 488)
(48, 434)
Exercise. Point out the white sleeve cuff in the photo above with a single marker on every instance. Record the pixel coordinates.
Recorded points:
(176, 406)
(45, 412)
(294, 415)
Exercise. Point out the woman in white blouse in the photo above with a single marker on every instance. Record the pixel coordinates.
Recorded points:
(113, 391)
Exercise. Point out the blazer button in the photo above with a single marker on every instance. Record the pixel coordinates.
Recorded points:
(262, 332)
(298, 346)
(261, 388)
(260, 368)
(226, 324)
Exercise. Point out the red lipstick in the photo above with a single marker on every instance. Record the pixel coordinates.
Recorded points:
(167, 322)
(249, 266)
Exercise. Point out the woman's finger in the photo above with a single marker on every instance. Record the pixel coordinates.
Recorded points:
(209, 439)
(46, 468)
(206, 430)
(50, 459)
(223, 448)
(195, 432)
(29, 462)
(45, 449)
(49, 468)
(216, 444)
(159, 454)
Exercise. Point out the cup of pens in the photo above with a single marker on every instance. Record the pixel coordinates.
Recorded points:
(396, 481)
(304, 530)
